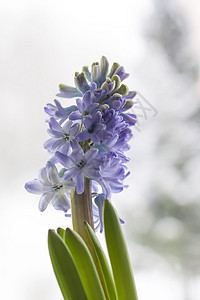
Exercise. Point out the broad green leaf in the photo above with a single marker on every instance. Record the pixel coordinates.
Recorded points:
(118, 254)
(65, 268)
(103, 265)
(61, 232)
(85, 265)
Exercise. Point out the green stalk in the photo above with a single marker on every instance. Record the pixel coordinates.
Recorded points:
(81, 206)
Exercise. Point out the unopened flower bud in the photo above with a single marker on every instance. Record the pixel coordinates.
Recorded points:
(103, 69)
(123, 90)
(87, 73)
(113, 69)
(95, 72)
(81, 82)
(129, 103)
(117, 80)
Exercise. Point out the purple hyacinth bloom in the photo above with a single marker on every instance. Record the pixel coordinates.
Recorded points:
(86, 106)
(51, 187)
(108, 87)
(99, 121)
(114, 123)
(98, 212)
(116, 101)
(113, 173)
(130, 119)
(80, 165)
(120, 71)
(58, 112)
(63, 138)
(116, 145)
(94, 129)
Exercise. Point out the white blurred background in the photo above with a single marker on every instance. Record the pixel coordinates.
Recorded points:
(43, 43)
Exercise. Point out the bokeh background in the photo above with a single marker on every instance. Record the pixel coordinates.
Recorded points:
(42, 44)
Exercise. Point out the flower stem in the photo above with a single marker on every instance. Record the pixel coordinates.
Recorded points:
(81, 207)
(82, 211)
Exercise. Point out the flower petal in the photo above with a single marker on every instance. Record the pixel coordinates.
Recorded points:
(34, 187)
(60, 201)
(64, 159)
(80, 183)
(53, 124)
(75, 115)
(52, 173)
(44, 201)
(82, 136)
(67, 126)
(91, 154)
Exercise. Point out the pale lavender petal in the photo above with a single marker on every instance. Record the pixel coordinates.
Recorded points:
(88, 122)
(74, 129)
(79, 103)
(82, 136)
(67, 126)
(91, 154)
(57, 144)
(53, 124)
(75, 115)
(65, 149)
(75, 145)
(68, 185)
(50, 109)
(34, 187)
(42, 175)
(52, 173)
(80, 183)
(48, 144)
(99, 200)
(55, 134)
(91, 173)
(99, 126)
(44, 201)
(86, 98)
(77, 155)
(60, 201)
(71, 173)
(64, 159)
(113, 140)
(95, 138)
(106, 188)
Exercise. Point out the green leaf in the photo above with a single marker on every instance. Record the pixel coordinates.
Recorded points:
(103, 265)
(85, 266)
(61, 232)
(65, 268)
(118, 254)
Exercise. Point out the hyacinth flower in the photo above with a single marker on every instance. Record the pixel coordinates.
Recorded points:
(58, 112)
(51, 187)
(62, 138)
(89, 141)
(85, 106)
(80, 165)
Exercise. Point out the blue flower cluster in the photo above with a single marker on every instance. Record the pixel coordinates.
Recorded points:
(88, 139)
